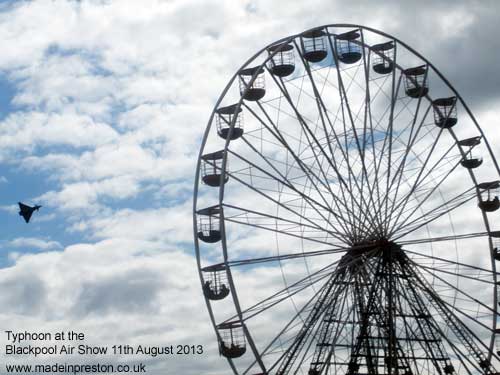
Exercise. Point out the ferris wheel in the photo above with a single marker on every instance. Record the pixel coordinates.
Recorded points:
(345, 213)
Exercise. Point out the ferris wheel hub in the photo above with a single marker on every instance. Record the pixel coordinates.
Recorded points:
(376, 248)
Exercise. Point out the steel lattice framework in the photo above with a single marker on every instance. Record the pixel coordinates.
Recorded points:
(345, 213)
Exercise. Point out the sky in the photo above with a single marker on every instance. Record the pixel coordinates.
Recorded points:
(103, 105)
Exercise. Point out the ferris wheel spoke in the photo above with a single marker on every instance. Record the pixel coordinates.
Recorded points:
(336, 268)
(288, 256)
(461, 357)
(443, 158)
(308, 133)
(480, 270)
(401, 205)
(434, 351)
(284, 295)
(366, 107)
(278, 339)
(374, 166)
(464, 334)
(343, 90)
(313, 142)
(419, 200)
(306, 355)
(269, 228)
(364, 174)
(349, 164)
(456, 274)
(400, 171)
(290, 227)
(468, 298)
(468, 271)
(393, 117)
(286, 207)
(431, 215)
(388, 139)
(412, 141)
(429, 326)
(367, 122)
(306, 169)
(289, 291)
(443, 172)
(394, 96)
(312, 203)
(379, 91)
(443, 238)
(286, 360)
(324, 182)
(323, 113)
(398, 137)
(413, 210)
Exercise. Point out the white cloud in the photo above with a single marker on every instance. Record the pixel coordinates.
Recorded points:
(172, 225)
(31, 242)
(84, 196)
(27, 131)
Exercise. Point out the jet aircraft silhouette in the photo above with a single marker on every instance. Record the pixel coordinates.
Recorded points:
(26, 211)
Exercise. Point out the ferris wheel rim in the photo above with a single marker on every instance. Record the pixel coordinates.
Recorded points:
(227, 142)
